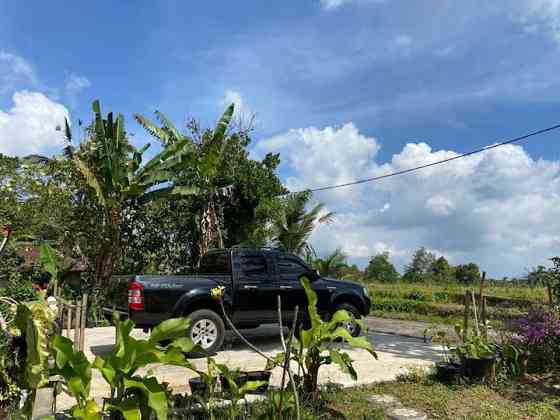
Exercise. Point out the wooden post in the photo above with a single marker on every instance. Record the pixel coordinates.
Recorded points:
(77, 325)
(466, 316)
(475, 314)
(83, 321)
(481, 292)
(483, 316)
(68, 320)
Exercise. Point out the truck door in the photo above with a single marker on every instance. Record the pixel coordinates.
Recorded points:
(290, 269)
(255, 301)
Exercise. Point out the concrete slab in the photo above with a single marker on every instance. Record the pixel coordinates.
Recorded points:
(396, 354)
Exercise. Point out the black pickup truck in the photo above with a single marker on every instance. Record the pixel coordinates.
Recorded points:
(253, 279)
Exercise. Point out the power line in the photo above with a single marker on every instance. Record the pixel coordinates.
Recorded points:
(439, 162)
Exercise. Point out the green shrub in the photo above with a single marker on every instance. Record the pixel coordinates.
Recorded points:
(416, 295)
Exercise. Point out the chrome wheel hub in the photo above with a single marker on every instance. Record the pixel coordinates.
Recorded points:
(204, 333)
(351, 327)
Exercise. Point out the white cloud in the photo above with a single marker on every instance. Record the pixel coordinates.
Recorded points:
(75, 84)
(335, 4)
(30, 125)
(15, 69)
(542, 15)
(234, 97)
(440, 206)
(402, 41)
(499, 208)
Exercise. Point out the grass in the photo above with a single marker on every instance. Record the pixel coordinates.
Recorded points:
(443, 303)
(533, 398)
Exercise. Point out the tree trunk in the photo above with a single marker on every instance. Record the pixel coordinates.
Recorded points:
(109, 252)
(211, 234)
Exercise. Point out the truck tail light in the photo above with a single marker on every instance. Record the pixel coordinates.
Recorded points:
(135, 296)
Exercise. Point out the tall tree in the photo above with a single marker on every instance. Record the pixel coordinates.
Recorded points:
(208, 153)
(381, 269)
(113, 169)
(419, 268)
(440, 270)
(332, 264)
(467, 273)
(292, 225)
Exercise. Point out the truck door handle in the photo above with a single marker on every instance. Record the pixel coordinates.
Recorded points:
(331, 288)
(286, 287)
(249, 286)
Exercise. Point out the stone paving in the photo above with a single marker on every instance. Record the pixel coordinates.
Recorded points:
(396, 354)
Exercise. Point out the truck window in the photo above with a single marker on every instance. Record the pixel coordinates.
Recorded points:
(290, 268)
(253, 266)
(215, 263)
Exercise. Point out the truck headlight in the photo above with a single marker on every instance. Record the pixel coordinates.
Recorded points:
(366, 292)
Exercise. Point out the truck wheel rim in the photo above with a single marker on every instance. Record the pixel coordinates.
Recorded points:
(350, 327)
(204, 333)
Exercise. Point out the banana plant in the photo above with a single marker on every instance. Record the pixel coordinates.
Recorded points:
(132, 395)
(34, 324)
(75, 368)
(114, 170)
(316, 345)
(208, 159)
(237, 392)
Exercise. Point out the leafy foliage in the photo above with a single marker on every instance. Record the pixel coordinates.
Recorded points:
(132, 395)
(332, 265)
(292, 224)
(75, 368)
(381, 269)
(315, 348)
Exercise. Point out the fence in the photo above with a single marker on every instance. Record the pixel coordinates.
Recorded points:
(72, 317)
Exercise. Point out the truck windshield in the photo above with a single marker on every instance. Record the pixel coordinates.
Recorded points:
(215, 263)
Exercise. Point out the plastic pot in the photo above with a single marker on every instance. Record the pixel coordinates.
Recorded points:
(448, 372)
(482, 368)
(244, 377)
(198, 386)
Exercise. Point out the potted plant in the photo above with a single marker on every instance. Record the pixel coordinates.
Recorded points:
(447, 370)
(478, 357)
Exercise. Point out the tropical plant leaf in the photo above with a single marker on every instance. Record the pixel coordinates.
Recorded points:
(170, 329)
(153, 391)
(344, 362)
(49, 260)
(129, 408)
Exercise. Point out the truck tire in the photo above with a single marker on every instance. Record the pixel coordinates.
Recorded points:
(353, 329)
(207, 330)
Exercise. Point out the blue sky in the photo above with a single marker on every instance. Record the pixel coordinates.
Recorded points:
(355, 87)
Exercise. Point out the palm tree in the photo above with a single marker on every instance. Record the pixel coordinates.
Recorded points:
(292, 225)
(113, 168)
(208, 155)
(331, 265)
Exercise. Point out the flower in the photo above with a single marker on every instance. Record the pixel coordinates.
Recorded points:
(217, 292)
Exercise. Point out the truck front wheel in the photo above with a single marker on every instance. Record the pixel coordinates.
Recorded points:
(207, 330)
(353, 328)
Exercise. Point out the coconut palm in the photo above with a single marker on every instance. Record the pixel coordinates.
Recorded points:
(208, 152)
(332, 264)
(292, 225)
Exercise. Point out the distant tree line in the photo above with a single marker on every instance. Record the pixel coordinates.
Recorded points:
(424, 267)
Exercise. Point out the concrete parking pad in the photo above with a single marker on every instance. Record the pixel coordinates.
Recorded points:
(396, 354)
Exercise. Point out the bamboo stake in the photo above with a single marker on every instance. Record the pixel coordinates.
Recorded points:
(83, 321)
(481, 291)
(483, 312)
(68, 320)
(466, 316)
(475, 314)
(77, 326)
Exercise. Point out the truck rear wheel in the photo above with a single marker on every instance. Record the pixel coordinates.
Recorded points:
(207, 330)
